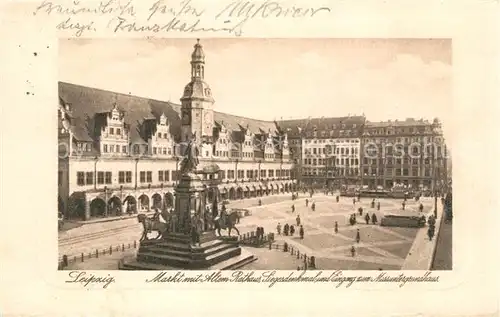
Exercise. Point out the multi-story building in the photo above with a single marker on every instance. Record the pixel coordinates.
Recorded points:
(410, 152)
(328, 149)
(120, 153)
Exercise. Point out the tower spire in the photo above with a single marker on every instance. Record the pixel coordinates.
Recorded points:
(198, 62)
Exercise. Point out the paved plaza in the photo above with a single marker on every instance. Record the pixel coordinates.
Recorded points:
(380, 247)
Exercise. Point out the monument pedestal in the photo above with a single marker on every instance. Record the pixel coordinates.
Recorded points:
(175, 252)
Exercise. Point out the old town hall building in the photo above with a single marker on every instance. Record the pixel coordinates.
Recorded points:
(120, 154)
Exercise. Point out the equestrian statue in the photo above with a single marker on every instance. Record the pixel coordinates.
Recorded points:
(152, 224)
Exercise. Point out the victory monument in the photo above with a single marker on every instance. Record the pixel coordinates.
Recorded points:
(187, 240)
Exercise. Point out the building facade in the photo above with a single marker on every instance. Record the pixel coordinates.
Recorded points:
(120, 154)
(328, 150)
(410, 152)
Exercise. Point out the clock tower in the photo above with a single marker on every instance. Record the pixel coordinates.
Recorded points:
(197, 114)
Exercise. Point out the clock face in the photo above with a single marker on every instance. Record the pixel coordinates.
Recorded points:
(208, 118)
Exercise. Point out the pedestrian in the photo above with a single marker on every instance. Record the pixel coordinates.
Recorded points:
(260, 202)
(352, 219)
(360, 210)
(336, 227)
(367, 218)
(430, 232)
(353, 251)
(421, 208)
(286, 229)
(358, 236)
(354, 201)
(374, 219)
(293, 208)
(373, 203)
(337, 198)
(404, 204)
(278, 228)
(378, 205)
(298, 220)
(313, 206)
(301, 232)
(292, 230)
(307, 202)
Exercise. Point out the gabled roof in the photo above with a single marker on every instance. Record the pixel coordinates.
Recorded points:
(86, 102)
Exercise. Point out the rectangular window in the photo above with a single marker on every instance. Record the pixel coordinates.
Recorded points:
(100, 178)
(149, 177)
(166, 176)
(160, 176)
(154, 150)
(271, 173)
(89, 178)
(124, 149)
(128, 177)
(105, 148)
(142, 176)
(121, 177)
(108, 178)
(111, 148)
(414, 171)
(118, 131)
(405, 172)
(80, 178)
(398, 172)
(111, 131)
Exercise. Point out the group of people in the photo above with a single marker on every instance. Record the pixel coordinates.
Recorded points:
(290, 229)
(313, 205)
(373, 204)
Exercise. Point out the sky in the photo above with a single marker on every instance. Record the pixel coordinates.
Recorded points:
(274, 79)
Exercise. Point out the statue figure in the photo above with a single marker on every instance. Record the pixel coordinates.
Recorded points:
(190, 160)
(150, 225)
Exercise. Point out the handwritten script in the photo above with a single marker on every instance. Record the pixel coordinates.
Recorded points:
(86, 279)
(80, 18)
(271, 278)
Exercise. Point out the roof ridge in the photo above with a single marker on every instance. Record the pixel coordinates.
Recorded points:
(119, 93)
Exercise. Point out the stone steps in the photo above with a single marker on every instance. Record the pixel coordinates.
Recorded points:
(186, 252)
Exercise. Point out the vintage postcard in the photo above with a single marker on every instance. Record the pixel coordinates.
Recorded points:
(148, 182)
(204, 147)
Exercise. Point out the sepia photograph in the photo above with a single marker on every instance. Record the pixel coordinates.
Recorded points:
(254, 154)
